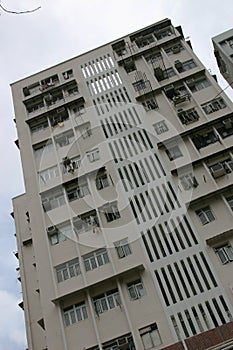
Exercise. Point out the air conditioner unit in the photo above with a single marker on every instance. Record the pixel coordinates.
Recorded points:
(51, 229)
(178, 64)
(227, 123)
(176, 49)
(217, 170)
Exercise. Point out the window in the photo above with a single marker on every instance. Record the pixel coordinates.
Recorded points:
(206, 215)
(230, 202)
(53, 200)
(79, 110)
(145, 40)
(95, 259)
(150, 336)
(161, 127)
(136, 289)
(174, 49)
(225, 253)
(214, 105)
(86, 222)
(63, 232)
(153, 57)
(129, 65)
(188, 181)
(198, 85)
(150, 104)
(189, 116)
(205, 139)
(68, 270)
(163, 34)
(93, 155)
(102, 180)
(43, 148)
(111, 212)
(107, 301)
(57, 238)
(69, 165)
(226, 129)
(77, 191)
(86, 132)
(64, 139)
(174, 152)
(75, 314)
(188, 65)
(40, 126)
(72, 90)
(139, 85)
(48, 174)
(169, 72)
(122, 248)
(68, 74)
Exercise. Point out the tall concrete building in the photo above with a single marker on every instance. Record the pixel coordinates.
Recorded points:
(223, 50)
(124, 231)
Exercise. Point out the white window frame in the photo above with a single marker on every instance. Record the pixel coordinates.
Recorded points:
(150, 336)
(48, 174)
(102, 181)
(79, 191)
(136, 289)
(111, 212)
(122, 248)
(107, 301)
(206, 215)
(68, 270)
(93, 155)
(86, 223)
(225, 253)
(214, 105)
(75, 314)
(96, 259)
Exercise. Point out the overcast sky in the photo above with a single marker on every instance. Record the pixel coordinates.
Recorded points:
(60, 30)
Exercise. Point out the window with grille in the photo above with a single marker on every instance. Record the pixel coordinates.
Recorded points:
(122, 248)
(95, 259)
(136, 289)
(205, 215)
(107, 301)
(68, 270)
(75, 313)
(225, 253)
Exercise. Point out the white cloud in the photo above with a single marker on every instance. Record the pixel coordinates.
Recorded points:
(11, 322)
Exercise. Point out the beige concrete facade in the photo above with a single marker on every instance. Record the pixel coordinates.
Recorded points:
(124, 232)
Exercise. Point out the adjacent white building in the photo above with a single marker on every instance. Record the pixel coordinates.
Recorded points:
(223, 51)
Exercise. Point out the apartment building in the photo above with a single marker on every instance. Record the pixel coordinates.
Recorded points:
(124, 231)
(223, 51)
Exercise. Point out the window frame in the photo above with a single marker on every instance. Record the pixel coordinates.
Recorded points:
(95, 259)
(136, 289)
(225, 253)
(68, 270)
(75, 314)
(206, 215)
(123, 248)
